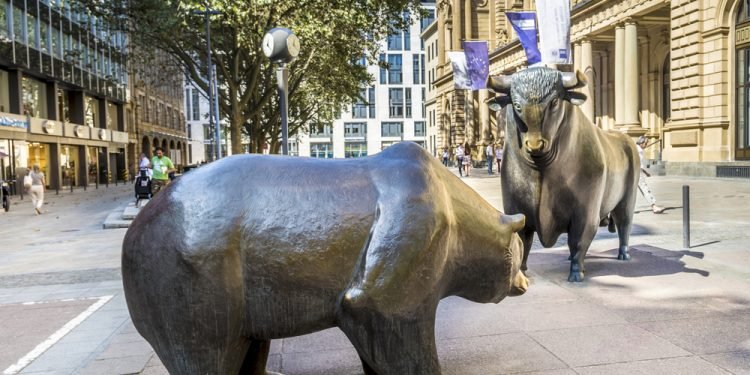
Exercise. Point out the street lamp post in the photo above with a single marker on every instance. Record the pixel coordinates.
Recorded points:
(212, 116)
(282, 46)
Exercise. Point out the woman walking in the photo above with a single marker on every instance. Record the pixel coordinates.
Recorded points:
(37, 189)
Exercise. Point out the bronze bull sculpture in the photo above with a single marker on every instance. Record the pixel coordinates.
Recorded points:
(253, 248)
(559, 169)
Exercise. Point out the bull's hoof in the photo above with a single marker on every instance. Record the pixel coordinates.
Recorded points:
(575, 277)
(623, 253)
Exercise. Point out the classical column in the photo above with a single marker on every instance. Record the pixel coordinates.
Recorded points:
(587, 67)
(619, 75)
(604, 74)
(441, 47)
(467, 20)
(646, 93)
(576, 56)
(631, 75)
(456, 25)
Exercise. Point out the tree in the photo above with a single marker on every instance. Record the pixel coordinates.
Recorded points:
(323, 79)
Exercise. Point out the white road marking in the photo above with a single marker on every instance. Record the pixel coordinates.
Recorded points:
(46, 344)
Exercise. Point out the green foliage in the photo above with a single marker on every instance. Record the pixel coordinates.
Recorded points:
(323, 79)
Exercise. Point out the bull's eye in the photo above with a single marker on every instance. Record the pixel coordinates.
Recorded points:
(554, 102)
(517, 106)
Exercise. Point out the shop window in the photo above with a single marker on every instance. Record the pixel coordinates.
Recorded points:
(113, 121)
(34, 97)
(355, 150)
(63, 105)
(321, 150)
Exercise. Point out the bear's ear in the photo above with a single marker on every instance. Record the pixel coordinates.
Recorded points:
(516, 222)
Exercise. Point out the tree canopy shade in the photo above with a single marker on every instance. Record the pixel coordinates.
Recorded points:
(333, 35)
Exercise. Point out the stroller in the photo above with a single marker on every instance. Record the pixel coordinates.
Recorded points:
(5, 193)
(143, 186)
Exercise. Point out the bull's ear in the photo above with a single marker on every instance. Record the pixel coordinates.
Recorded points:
(516, 222)
(575, 97)
(497, 103)
(500, 84)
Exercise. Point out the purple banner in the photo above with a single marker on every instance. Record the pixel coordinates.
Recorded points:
(478, 63)
(524, 24)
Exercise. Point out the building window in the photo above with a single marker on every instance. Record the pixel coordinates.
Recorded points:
(4, 29)
(396, 102)
(424, 99)
(395, 40)
(32, 40)
(44, 37)
(407, 34)
(56, 44)
(383, 69)
(743, 89)
(407, 95)
(321, 131)
(415, 69)
(4, 92)
(196, 105)
(395, 69)
(19, 31)
(91, 115)
(384, 145)
(666, 110)
(321, 150)
(391, 129)
(360, 107)
(34, 97)
(187, 102)
(427, 19)
(419, 129)
(371, 102)
(355, 150)
(355, 130)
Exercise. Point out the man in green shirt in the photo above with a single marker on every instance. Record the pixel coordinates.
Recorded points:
(162, 168)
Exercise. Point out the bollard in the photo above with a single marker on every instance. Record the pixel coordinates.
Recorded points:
(71, 187)
(686, 216)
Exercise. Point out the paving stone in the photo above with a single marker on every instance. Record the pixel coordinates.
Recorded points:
(326, 340)
(556, 315)
(668, 366)
(585, 346)
(496, 354)
(706, 335)
(116, 366)
(328, 362)
(735, 362)
(473, 320)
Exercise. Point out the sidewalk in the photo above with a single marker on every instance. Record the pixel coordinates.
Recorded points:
(669, 310)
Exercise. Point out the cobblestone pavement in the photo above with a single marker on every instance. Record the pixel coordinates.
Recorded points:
(670, 310)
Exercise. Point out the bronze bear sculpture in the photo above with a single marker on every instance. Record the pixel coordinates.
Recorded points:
(560, 170)
(253, 248)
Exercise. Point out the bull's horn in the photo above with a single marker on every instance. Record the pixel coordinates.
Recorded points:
(516, 222)
(499, 83)
(572, 80)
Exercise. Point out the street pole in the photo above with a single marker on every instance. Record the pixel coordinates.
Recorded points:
(282, 79)
(212, 114)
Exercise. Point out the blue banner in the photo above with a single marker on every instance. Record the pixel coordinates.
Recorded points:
(524, 23)
(477, 63)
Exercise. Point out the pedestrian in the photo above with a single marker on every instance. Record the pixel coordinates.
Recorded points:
(162, 166)
(489, 154)
(642, 185)
(499, 155)
(145, 165)
(460, 159)
(446, 155)
(37, 189)
(467, 160)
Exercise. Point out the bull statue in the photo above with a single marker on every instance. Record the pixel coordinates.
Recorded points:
(253, 248)
(559, 169)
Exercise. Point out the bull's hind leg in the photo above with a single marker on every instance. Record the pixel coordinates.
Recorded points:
(527, 237)
(623, 216)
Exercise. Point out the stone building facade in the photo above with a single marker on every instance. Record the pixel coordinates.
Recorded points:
(674, 71)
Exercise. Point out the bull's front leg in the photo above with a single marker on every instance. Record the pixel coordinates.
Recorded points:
(579, 239)
(527, 237)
